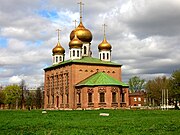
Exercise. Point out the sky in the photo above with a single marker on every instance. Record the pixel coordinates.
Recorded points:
(144, 34)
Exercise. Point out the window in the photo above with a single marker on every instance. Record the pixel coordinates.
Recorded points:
(78, 53)
(103, 55)
(56, 59)
(57, 101)
(90, 97)
(139, 99)
(79, 98)
(100, 56)
(60, 58)
(85, 49)
(123, 97)
(114, 97)
(73, 52)
(67, 95)
(135, 99)
(102, 99)
(107, 56)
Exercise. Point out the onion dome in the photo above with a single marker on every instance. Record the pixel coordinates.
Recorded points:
(104, 45)
(82, 33)
(58, 49)
(75, 43)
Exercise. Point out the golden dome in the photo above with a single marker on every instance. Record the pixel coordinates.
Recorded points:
(58, 49)
(82, 33)
(75, 43)
(104, 45)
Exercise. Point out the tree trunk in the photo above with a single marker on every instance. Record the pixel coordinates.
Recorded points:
(16, 103)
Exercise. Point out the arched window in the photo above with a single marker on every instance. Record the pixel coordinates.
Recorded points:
(103, 55)
(77, 53)
(100, 56)
(114, 97)
(67, 96)
(102, 99)
(107, 56)
(89, 97)
(123, 96)
(73, 52)
(60, 58)
(85, 49)
(57, 101)
(56, 58)
(78, 97)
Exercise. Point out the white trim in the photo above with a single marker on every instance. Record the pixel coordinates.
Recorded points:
(105, 55)
(75, 56)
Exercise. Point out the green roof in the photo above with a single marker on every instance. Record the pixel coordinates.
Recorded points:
(101, 79)
(85, 60)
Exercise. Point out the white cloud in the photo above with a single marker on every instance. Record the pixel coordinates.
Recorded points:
(144, 35)
(15, 79)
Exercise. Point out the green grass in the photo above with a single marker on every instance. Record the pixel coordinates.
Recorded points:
(127, 122)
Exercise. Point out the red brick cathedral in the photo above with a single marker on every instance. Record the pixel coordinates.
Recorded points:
(84, 82)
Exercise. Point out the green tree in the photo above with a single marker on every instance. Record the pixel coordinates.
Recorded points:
(2, 98)
(136, 83)
(39, 98)
(23, 89)
(154, 88)
(175, 86)
(13, 95)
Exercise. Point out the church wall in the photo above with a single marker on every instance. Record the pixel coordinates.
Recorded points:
(58, 87)
(108, 103)
(81, 72)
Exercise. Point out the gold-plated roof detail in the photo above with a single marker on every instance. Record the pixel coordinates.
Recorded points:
(75, 43)
(58, 49)
(82, 33)
(104, 45)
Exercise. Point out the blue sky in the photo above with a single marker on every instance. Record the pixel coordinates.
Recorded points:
(144, 35)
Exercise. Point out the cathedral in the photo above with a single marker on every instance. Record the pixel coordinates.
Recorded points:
(84, 82)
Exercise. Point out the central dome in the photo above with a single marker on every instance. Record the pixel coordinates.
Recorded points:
(82, 33)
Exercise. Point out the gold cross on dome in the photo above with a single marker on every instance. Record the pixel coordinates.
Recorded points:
(104, 27)
(58, 30)
(81, 4)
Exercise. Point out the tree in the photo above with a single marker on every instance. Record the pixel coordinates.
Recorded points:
(23, 88)
(175, 86)
(154, 88)
(39, 98)
(2, 98)
(13, 95)
(135, 83)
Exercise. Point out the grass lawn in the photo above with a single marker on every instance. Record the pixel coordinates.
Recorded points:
(127, 122)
